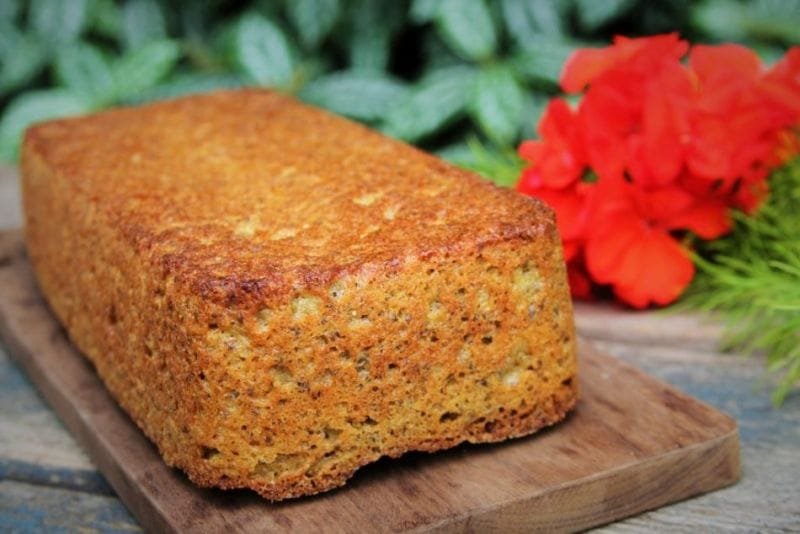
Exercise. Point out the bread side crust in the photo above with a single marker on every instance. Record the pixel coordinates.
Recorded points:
(288, 389)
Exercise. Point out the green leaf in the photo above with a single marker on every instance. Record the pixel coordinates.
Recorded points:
(313, 67)
(9, 36)
(22, 57)
(313, 19)
(497, 104)
(723, 19)
(544, 61)
(437, 54)
(458, 154)
(500, 165)
(768, 54)
(143, 68)
(529, 20)
(57, 21)
(369, 32)
(592, 14)
(423, 11)
(361, 95)
(32, 107)
(189, 83)
(262, 51)
(438, 99)
(142, 22)
(774, 19)
(9, 9)
(760, 19)
(532, 111)
(467, 26)
(82, 68)
(366, 13)
(105, 18)
(369, 50)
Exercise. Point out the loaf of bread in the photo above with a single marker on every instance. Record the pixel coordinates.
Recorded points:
(278, 296)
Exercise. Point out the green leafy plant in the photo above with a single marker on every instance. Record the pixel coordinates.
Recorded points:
(752, 280)
(432, 72)
(500, 165)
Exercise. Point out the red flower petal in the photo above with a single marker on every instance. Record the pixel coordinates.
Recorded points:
(660, 206)
(709, 61)
(628, 245)
(587, 64)
(646, 51)
(782, 83)
(530, 150)
(750, 196)
(580, 285)
(606, 249)
(709, 219)
(584, 65)
(569, 205)
(558, 159)
(655, 270)
(607, 115)
(558, 122)
(666, 123)
(558, 166)
(709, 155)
(571, 250)
(642, 264)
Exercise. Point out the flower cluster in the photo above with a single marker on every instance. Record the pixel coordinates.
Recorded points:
(659, 148)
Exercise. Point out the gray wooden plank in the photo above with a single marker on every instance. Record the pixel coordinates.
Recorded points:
(732, 383)
(768, 495)
(10, 211)
(612, 322)
(766, 499)
(87, 480)
(29, 431)
(30, 508)
(34, 445)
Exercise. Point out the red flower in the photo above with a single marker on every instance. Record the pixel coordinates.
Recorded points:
(608, 115)
(570, 205)
(741, 111)
(634, 113)
(558, 157)
(630, 246)
(657, 155)
(672, 147)
(782, 83)
(580, 284)
(588, 64)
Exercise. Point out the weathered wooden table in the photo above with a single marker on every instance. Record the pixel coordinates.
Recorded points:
(47, 483)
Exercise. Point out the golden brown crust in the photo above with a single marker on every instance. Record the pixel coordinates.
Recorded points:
(278, 296)
(332, 197)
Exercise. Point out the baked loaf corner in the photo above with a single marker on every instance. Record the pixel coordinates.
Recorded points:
(278, 296)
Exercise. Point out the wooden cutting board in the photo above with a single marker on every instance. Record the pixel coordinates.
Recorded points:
(633, 444)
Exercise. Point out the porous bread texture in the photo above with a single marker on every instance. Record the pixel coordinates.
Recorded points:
(278, 296)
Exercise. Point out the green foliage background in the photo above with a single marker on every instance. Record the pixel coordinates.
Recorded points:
(433, 72)
(752, 280)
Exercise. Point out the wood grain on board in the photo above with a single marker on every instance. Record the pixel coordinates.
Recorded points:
(633, 444)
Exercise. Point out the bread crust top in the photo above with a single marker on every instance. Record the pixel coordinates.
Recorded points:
(249, 194)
